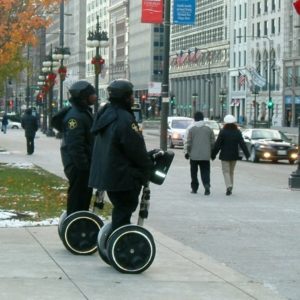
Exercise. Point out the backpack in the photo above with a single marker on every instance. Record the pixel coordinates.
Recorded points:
(57, 119)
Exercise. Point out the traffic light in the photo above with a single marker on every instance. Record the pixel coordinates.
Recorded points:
(39, 99)
(172, 101)
(144, 97)
(270, 104)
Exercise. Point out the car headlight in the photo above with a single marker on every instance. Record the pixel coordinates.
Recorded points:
(176, 135)
(263, 147)
(294, 155)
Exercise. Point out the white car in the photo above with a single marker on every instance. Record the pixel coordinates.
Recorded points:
(177, 129)
(13, 125)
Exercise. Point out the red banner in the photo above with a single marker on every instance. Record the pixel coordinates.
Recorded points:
(152, 11)
(297, 6)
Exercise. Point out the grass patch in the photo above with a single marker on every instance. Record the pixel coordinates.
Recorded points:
(33, 193)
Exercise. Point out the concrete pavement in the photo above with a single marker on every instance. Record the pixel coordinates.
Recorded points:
(35, 265)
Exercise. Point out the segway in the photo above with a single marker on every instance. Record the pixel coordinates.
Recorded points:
(79, 231)
(131, 248)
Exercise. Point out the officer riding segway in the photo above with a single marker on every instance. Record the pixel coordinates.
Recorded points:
(78, 228)
(122, 166)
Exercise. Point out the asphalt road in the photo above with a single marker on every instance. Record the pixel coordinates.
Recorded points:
(255, 231)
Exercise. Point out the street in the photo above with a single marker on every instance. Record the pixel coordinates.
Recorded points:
(255, 231)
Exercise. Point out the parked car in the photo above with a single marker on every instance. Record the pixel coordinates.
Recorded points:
(269, 144)
(177, 129)
(13, 125)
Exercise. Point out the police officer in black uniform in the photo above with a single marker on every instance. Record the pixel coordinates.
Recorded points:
(120, 162)
(77, 145)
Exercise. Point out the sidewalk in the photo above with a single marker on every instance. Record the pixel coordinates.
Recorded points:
(35, 264)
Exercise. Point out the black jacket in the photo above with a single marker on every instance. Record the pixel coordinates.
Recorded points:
(77, 141)
(120, 160)
(228, 143)
(30, 124)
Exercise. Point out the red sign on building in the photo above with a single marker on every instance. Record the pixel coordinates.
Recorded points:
(152, 11)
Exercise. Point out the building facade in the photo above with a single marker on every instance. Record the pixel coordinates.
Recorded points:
(199, 61)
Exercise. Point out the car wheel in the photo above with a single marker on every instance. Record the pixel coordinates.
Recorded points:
(291, 161)
(170, 143)
(14, 127)
(253, 156)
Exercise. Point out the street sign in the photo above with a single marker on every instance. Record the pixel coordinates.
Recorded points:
(35, 87)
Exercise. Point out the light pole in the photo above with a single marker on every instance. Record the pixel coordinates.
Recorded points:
(269, 73)
(255, 93)
(222, 95)
(97, 39)
(209, 84)
(48, 66)
(61, 53)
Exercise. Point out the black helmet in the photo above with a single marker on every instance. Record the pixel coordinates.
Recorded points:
(81, 89)
(120, 89)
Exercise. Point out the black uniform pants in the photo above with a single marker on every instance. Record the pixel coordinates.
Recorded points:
(125, 203)
(204, 166)
(79, 193)
(30, 144)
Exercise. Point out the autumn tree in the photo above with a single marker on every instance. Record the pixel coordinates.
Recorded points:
(19, 22)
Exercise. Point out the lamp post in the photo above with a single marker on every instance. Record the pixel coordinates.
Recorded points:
(61, 53)
(194, 98)
(269, 73)
(41, 83)
(97, 39)
(222, 95)
(255, 93)
(48, 66)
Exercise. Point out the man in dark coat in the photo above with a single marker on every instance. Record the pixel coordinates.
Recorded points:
(30, 124)
(77, 144)
(120, 162)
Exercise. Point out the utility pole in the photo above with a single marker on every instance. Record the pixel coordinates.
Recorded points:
(165, 82)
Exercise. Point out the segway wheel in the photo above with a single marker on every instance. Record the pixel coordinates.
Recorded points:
(102, 239)
(60, 222)
(131, 249)
(79, 232)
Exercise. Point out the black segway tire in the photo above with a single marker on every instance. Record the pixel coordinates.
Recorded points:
(60, 222)
(79, 232)
(102, 239)
(131, 249)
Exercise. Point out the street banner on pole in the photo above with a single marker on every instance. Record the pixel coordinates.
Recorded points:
(184, 12)
(152, 11)
(297, 6)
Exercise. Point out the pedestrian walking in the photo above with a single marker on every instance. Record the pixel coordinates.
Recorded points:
(120, 162)
(30, 124)
(228, 142)
(4, 123)
(198, 146)
(75, 123)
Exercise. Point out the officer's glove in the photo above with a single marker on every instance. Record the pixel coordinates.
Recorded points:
(154, 153)
(187, 156)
